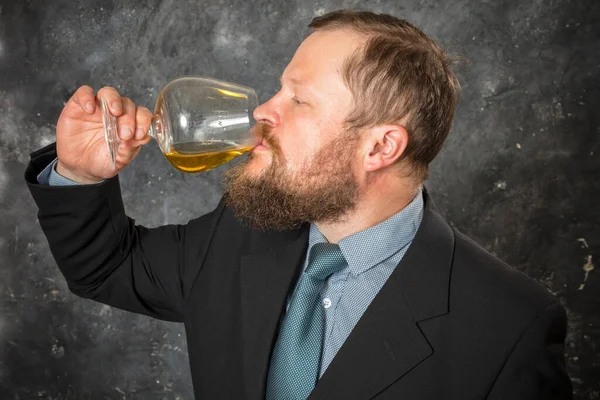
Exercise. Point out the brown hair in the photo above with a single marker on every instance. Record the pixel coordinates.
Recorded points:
(401, 76)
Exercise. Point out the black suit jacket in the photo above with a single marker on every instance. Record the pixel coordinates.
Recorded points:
(452, 321)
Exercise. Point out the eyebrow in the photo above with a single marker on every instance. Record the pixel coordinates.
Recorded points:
(299, 83)
(293, 80)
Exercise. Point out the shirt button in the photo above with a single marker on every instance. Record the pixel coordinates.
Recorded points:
(326, 302)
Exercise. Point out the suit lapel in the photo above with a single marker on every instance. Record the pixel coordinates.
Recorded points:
(384, 345)
(266, 277)
(387, 342)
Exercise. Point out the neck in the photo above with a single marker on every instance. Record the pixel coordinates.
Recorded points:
(382, 199)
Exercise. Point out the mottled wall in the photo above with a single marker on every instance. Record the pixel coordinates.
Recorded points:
(519, 172)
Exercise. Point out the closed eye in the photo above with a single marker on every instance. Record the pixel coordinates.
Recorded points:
(294, 98)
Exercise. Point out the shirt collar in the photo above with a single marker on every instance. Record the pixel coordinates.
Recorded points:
(365, 249)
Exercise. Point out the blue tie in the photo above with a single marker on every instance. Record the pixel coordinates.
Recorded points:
(296, 357)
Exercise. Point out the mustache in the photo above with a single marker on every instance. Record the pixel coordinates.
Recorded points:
(266, 134)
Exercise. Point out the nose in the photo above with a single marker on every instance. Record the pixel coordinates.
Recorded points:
(267, 113)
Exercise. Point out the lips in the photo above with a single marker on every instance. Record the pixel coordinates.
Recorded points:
(262, 143)
(260, 146)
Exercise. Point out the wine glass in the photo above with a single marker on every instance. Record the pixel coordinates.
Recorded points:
(199, 123)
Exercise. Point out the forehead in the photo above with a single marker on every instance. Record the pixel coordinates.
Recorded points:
(319, 59)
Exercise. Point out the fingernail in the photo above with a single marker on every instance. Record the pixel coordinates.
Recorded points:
(117, 106)
(126, 133)
(89, 107)
(139, 133)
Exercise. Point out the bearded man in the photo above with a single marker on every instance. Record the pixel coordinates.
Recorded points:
(326, 271)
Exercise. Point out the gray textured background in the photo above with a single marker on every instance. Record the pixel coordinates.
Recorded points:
(519, 172)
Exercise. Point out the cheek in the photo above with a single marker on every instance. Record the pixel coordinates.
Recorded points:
(306, 158)
(302, 137)
(299, 147)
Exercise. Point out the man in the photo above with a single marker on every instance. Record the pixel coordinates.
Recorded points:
(326, 271)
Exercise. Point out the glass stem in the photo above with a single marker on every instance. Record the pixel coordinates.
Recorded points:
(151, 131)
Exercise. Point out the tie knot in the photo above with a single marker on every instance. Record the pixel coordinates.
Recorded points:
(325, 259)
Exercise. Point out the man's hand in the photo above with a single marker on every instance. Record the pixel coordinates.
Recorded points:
(80, 144)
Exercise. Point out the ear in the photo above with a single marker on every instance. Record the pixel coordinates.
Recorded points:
(384, 144)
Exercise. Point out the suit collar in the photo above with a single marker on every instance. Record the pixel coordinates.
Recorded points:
(423, 275)
(386, 342)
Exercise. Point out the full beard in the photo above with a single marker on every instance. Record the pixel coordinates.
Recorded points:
(277, 199)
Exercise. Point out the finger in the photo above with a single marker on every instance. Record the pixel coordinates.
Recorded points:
(134, 143)
(85, 98)
(125, 155)
(113, 99)
(129, 150)
(143, 118)
(126, 122)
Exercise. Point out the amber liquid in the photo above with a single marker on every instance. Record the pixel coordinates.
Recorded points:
(198, 157)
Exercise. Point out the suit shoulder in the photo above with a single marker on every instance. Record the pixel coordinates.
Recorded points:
(478, 275)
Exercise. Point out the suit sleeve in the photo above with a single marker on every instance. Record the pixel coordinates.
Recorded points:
(535, 368)
(106, 257)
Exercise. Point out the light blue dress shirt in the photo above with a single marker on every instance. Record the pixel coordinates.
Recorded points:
(372, 256)
(49, 176)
